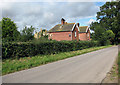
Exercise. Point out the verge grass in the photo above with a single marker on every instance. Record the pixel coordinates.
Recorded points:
(10, 66)
(119, 64)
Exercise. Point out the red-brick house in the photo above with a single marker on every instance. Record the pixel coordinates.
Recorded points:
(84, 33)
(67, 31)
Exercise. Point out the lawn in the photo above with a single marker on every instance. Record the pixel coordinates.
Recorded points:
(13, 65)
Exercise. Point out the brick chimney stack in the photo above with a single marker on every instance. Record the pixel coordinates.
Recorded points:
(78, 24)
(62, 21)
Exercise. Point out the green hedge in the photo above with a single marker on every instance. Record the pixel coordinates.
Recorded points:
(16, 50)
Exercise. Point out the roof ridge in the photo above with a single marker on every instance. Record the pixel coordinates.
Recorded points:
(70, 23)
(66, 23)
(83, 26)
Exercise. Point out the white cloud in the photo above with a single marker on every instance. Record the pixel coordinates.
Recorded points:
(46, 15)
(54, 0)
(90, 21)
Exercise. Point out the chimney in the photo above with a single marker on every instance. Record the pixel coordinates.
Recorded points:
(62, 21)
(78, 24)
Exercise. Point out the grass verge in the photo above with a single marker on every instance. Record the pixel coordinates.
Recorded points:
(10, 66)
(119, 64)
(112, 76)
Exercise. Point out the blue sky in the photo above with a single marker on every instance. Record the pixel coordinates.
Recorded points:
(99, 3)
(46, 15)
(84, 21)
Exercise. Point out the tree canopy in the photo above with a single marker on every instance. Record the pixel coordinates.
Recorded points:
(0, 31)
(27, 33)
(9, 30)
(109, 19)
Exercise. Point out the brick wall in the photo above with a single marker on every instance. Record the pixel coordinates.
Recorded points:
(82, 36)
(60, 36)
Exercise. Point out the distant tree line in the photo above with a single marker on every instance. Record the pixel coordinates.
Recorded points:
(11, 34)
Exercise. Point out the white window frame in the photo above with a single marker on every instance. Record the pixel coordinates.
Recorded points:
(75, 34)
(87, 34)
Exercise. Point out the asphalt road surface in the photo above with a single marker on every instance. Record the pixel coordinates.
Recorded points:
(87, 68)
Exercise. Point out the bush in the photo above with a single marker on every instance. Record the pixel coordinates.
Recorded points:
(28, 49)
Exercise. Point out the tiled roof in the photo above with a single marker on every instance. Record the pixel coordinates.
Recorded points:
(65, 27)
(83, 28)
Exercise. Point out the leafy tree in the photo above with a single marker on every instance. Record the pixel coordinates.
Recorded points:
(9, 30)
(44, 36)
(0, 40)
(27, 33)
(93, 25)
(109, 22)
(110, 35)
(102, 35)
(0, 31)
(109, 16)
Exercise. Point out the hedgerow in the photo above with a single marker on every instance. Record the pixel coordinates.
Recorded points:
(28, 49)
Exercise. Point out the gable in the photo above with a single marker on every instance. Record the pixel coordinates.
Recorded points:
(83, 29)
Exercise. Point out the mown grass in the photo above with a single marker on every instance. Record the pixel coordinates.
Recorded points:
(10, 66)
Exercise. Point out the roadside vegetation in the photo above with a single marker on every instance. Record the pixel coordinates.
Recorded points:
(112, 76)
(108, 28)
(13, 65)
(27, 49)
(119, 64)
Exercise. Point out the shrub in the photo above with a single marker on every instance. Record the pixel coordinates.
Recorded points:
(28, 49)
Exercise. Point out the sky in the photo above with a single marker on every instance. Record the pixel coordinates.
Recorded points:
(46, 15)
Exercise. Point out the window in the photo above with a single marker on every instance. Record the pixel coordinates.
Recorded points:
(88, 35)
(75, 34)
(69, 35)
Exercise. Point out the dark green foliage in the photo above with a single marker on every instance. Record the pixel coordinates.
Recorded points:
(44, 38)
(101, 34)
(109, 17)
(27, 34)
(0, 31)
(9, 30)
(27, 49)
(119, 62)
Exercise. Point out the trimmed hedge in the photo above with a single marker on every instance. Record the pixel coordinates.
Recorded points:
(28, 49)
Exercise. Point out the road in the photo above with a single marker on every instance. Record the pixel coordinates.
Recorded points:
(87, 68)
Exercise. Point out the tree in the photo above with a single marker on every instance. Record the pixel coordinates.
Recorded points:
(0, 31)
(110, 35)
(101, 34)
(9, 30)
(27, 33)
(109, 16)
